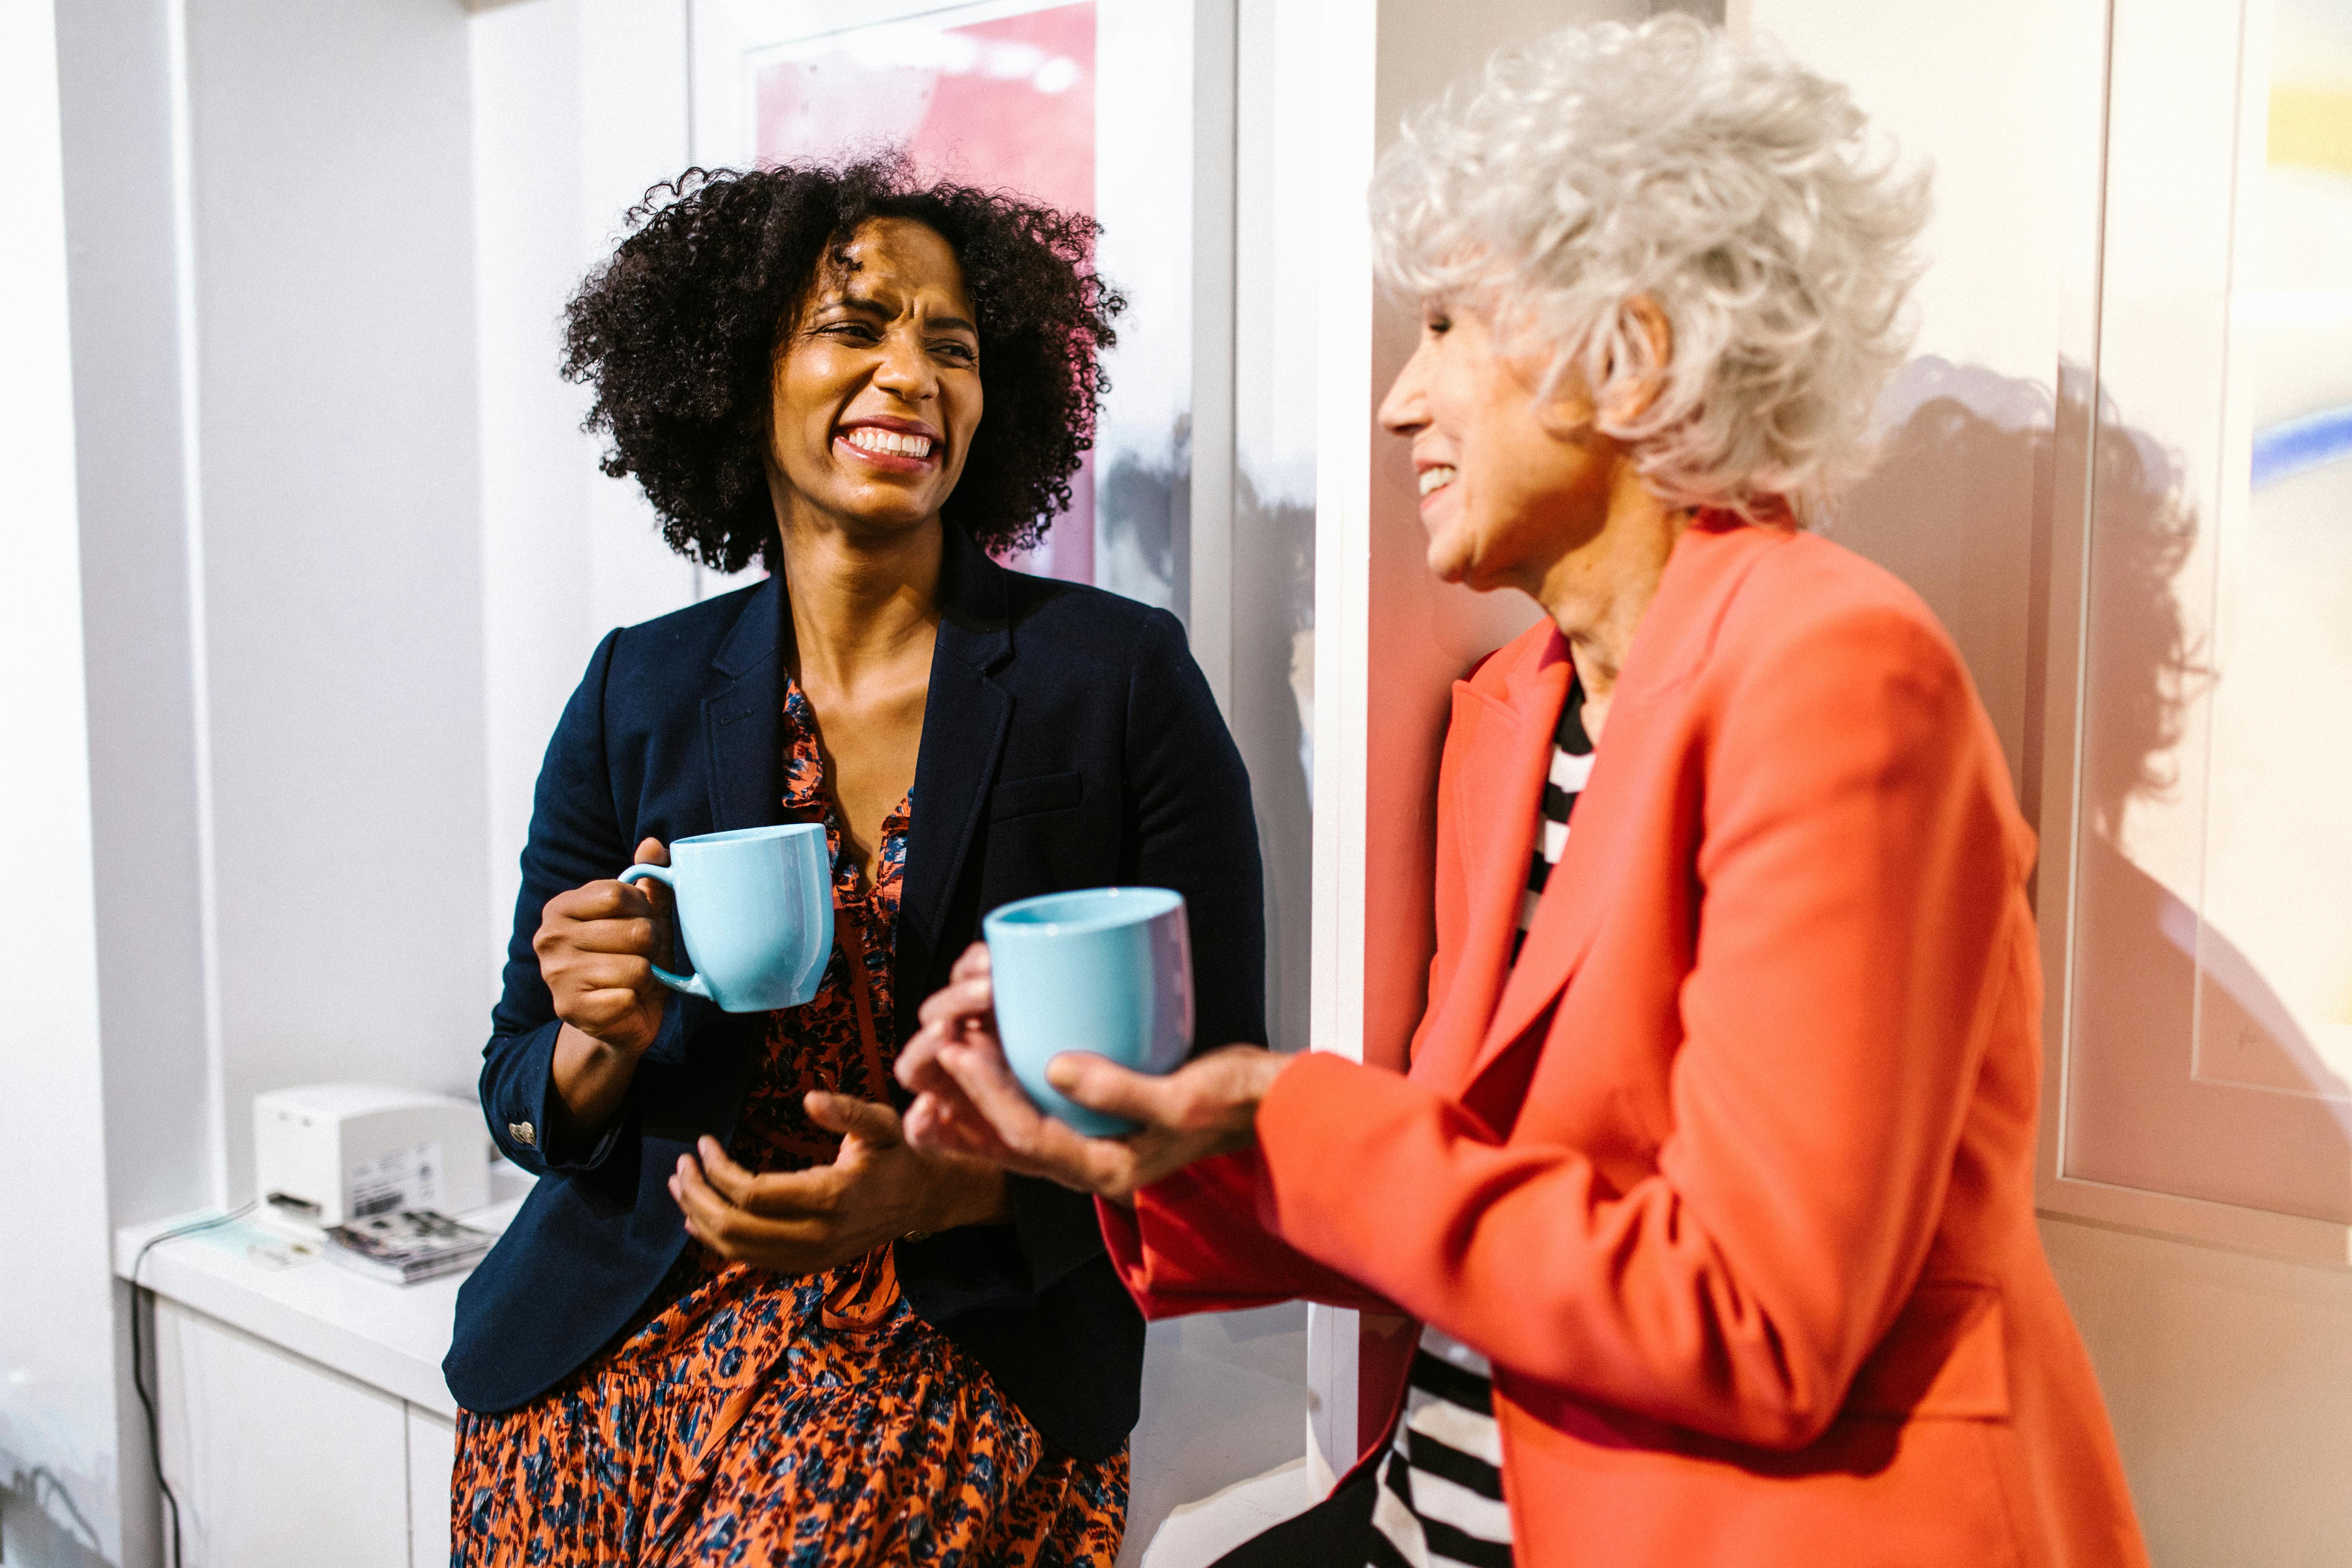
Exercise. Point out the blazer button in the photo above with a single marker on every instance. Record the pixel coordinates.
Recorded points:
(523, 1132)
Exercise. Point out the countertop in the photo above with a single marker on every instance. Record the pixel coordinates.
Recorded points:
(246, 1274)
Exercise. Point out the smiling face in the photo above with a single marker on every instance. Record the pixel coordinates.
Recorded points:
(1511, 479)
(876, 386)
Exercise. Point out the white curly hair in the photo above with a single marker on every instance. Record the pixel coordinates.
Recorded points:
(1742, 193)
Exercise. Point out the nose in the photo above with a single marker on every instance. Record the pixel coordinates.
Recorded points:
(1405, 410)
(906, 371)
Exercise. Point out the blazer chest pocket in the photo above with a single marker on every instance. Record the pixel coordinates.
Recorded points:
(1039, 793)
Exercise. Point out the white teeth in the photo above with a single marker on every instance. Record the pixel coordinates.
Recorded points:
(1436, 479)
(889, 443)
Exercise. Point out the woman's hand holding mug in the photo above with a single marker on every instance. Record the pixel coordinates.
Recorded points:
(969, 1102)
(597, 946)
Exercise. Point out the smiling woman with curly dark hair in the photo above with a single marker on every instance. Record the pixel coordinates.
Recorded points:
(740, 1319)
(679, 332)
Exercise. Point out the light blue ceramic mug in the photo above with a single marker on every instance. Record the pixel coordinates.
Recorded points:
(754, 914)
(1108, 970)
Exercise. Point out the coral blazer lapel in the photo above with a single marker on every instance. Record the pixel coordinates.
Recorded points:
(1632, 760)
(1503, 747)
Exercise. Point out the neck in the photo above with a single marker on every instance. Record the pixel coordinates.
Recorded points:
(858, 603)
(1598, 593)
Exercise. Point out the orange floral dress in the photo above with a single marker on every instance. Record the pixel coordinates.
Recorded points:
(754, 1419)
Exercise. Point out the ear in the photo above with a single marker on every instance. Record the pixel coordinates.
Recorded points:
(1648, 340)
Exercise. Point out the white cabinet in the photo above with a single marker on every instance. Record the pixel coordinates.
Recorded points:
(280, 1462)
(431, 1455)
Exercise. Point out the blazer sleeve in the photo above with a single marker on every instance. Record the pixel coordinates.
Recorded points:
(1860, 873)
(576, 837)
(1202, 1241)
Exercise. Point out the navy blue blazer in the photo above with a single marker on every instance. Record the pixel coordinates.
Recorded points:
(1069, 742)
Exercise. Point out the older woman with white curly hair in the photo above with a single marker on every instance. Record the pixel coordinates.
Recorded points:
(1710, 1189)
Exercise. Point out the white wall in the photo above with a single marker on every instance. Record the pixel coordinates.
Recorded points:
(340, 557)
(58, 1488)
(579, 107)
(2229, 1380)
(115, 68)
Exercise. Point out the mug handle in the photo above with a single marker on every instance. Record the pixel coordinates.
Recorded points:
(692, 984)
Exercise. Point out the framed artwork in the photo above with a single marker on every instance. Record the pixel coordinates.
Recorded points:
(1085, 105)
(2198, 896)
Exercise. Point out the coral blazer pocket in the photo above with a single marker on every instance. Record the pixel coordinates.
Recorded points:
(1944, 1359)
(1037, 793)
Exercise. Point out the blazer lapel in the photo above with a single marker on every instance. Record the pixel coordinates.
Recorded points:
(964, 722)
(742, 721)
(1497, 790)
(1713, 556)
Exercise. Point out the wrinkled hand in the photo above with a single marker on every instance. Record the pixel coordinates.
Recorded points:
(877, 1190)
(968, 1101)
(597, 945)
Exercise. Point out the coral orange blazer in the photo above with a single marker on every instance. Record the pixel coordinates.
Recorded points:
(1731, 1176)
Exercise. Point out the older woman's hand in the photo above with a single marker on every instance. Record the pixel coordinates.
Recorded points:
(968, 1101)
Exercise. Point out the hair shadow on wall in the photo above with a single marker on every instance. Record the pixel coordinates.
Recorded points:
(2187, 1073)
(1950, 509)
(1143, 506)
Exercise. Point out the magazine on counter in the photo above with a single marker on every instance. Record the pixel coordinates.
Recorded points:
(408, 1245)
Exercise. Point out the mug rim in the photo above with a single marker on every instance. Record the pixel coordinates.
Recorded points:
(1149, 904)
(742, 835)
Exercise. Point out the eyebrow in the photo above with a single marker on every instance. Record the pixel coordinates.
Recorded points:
(868, 303)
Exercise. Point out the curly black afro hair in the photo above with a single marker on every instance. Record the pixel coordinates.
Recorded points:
(679, 332)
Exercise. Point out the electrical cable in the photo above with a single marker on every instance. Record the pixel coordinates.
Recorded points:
(138, 1372)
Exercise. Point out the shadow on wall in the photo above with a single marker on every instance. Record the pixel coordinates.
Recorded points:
(2187, 1072)
(1143, 522)
(1951, 508)
(1274, 630)
(41, 1525)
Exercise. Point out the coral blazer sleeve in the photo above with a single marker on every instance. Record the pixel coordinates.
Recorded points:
(1853, 871)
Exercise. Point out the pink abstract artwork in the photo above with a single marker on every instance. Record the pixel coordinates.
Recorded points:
(1007, 103)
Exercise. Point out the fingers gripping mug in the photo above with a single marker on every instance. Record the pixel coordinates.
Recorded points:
(1108, 970)
(754, 914)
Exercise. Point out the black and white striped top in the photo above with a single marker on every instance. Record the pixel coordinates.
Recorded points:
(1571, 764)
(1440, 1498)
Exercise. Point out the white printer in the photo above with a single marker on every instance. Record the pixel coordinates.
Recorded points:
(332, 1153)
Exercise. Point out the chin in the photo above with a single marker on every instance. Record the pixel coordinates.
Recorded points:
(1449, 558)
(889, 514)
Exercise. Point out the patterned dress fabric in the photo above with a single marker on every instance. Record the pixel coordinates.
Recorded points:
(761, 1421)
